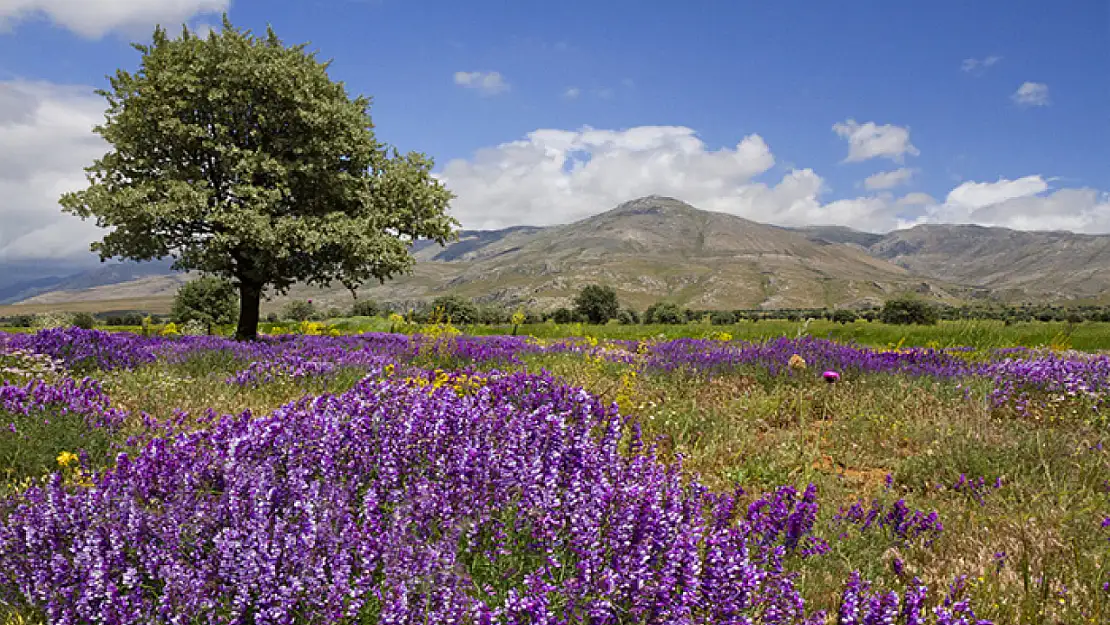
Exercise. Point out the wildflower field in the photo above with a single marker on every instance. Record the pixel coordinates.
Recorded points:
(438, 477)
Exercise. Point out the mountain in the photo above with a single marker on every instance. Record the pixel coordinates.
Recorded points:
(648, 249)
(1013, 264)
(108, 274)
(658, 247)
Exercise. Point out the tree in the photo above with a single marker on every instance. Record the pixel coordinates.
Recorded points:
(597, 304)
(454, 309)
(908, 310)
(84, 320)
(208, 300)
(240, 157)
(664, 312)
(842, 315)
(299, 310)
(365, 308)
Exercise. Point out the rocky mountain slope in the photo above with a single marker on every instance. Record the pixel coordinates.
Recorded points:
(657, 247)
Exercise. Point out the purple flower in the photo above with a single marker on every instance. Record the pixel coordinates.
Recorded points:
(831, 376)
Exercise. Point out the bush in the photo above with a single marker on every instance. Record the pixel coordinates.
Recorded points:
(84, 320)
(628, 317)
(842, 315)
(665, 313)
(208, 300)
(454, 309)
(597, 304)
(565, 315)
(298, 310)
(365, 308)
(907, 311)
(722, 318)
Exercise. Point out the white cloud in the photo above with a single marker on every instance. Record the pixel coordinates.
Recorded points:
(978, 66)
(559, 176)
(870, 140)
(572, 92)
(916, 199)
(889, 179)
(1031, 94)
(1024, 204)
(95, 18)
(488, 83)
(46, 131)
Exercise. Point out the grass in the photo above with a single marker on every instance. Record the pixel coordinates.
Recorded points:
(1032, 549)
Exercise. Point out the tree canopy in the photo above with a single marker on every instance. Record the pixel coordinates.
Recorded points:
(597, 303)
(240, 157)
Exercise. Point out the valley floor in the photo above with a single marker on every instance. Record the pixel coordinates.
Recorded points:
(433, 475)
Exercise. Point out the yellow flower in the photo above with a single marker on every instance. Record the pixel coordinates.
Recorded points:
(797, 362)
(171, 328)
(67, 458)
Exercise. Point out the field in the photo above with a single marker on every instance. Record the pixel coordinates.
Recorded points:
(755, 473)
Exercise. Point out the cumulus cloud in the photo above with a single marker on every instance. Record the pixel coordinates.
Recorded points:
(488, 83)
(978, 66)
(1025, 203)
(46, 131)
(95, 18)
(870, 140)
(1031, 94)
(889, 179)
(559, 176)
(572, 92)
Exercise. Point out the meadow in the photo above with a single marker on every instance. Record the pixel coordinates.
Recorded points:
(767, 472)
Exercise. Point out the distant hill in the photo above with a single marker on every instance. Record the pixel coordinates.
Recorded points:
(657, 247)
(1012, 264)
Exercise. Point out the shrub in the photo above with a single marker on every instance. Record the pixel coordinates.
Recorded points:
(84, 320)
(722, 318)
(208, 300)
(298, 310)
(664, 312)
(365, 308)
(842, 315)
(907, 311)
(454, 309)
(564, 315)
(597, 304)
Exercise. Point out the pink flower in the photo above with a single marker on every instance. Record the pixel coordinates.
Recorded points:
(831, 376)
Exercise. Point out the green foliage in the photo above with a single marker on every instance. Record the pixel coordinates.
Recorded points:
(365, 308)
(240, 157)
(628, 317)
(454, 309)
(30, 451)
(842, 315)
(597, 303)
(84, 320)
(667, 313)
(722, 317)
(908, 310)
(565, 315)
(299, 310)
(208, 300)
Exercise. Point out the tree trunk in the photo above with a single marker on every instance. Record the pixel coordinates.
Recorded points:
(250, 301)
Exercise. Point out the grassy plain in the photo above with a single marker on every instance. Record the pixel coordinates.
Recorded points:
(1021, 496)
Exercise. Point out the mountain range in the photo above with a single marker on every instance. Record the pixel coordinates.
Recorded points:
(656, 248)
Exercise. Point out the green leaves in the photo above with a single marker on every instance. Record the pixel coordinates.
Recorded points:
(240, 157)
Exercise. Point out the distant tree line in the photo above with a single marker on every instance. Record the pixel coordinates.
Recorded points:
(212, 302)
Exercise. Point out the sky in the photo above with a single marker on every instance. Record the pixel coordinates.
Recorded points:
(872, 115)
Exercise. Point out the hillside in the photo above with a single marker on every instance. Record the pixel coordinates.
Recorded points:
(649, 249)
(1013, 264)
(657, 247)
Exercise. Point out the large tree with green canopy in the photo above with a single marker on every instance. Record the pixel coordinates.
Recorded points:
(240, 157)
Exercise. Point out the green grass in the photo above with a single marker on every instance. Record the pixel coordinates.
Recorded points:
(758, 432)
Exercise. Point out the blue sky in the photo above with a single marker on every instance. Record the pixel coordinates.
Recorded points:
(933, 91)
